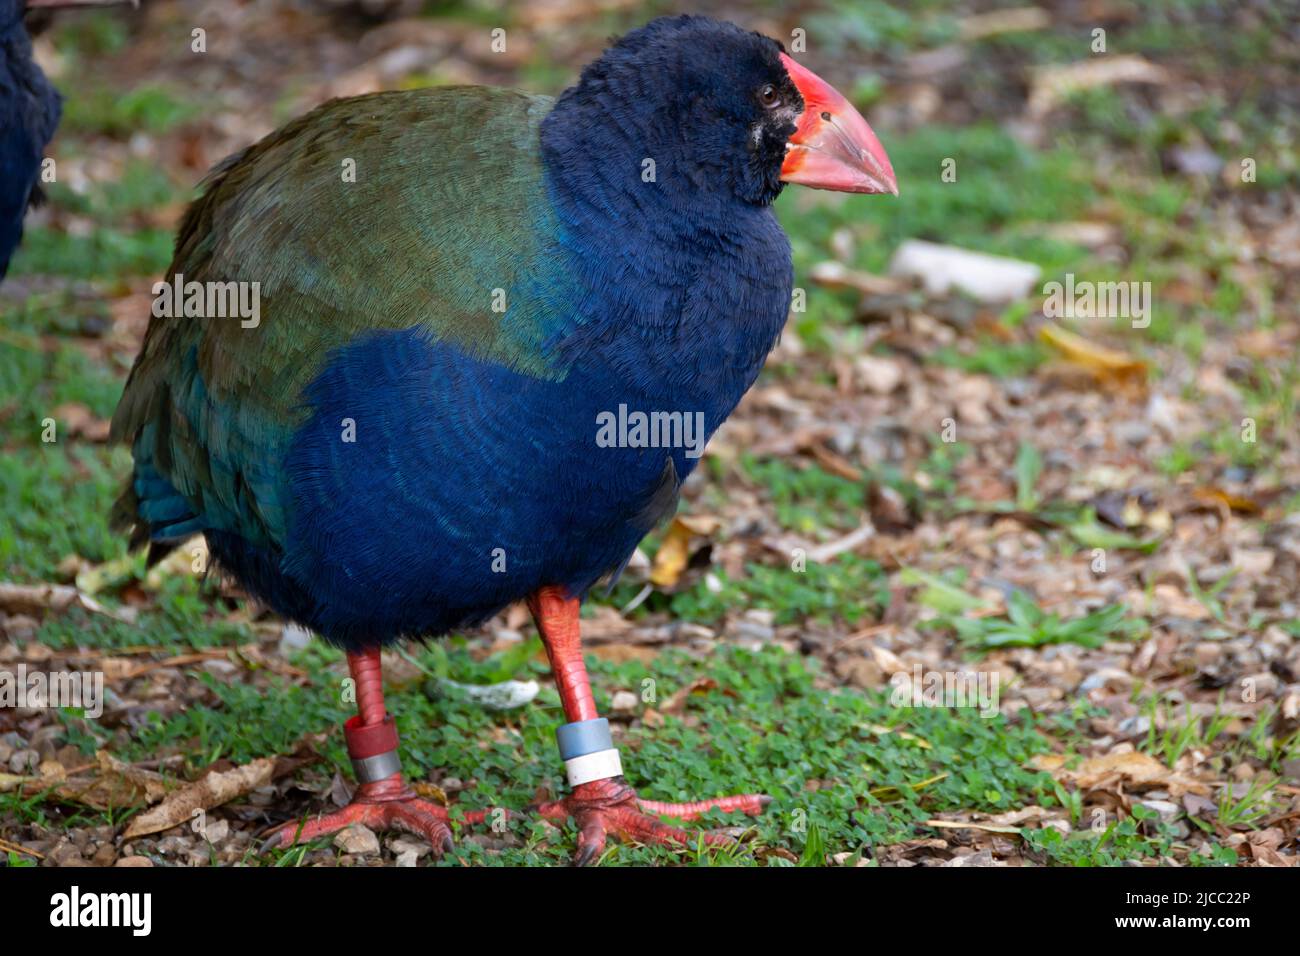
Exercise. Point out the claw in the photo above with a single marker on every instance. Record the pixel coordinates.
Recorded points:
(584, 855)
(611, 807)
(409, 814)
(269, 844)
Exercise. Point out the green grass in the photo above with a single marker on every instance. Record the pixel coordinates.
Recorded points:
(809, 499)
(120, 241)
(841, 785)
(55, 497)
(1000, 183)
(848, 589)
(766, 727)
(141, 188)
(119, 113)
(1254, 803)
(1169, 737)
(1027, 625)
(55, 505)
(1133, 838)
(769, 725)
(96, 33)
(988, 356)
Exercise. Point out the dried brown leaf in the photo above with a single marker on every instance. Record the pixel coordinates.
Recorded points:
(211, 791)
(1137, 769)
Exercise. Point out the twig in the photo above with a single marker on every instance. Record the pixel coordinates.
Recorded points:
(15, 848)
(831, 549)
(862, 635)
(25, 598)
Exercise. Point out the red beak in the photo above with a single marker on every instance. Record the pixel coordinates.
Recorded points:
(832, 146)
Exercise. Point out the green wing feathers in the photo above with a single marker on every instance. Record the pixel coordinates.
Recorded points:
(388, 211)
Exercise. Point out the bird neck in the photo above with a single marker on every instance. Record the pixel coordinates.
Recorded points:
(11, 16)
(682, 298)
(612, 166)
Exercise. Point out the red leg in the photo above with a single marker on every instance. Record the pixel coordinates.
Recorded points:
(609, 805)
(382, 801)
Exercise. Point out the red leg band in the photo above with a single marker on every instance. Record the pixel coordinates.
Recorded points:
(372, 733)
(369, 740)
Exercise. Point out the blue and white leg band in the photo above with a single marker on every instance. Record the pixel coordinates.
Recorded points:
(587, 750)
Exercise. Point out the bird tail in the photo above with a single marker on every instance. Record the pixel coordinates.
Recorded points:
(152, 511)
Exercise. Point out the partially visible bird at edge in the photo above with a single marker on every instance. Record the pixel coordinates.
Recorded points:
(30, 109)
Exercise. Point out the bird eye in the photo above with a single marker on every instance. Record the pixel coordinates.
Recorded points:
(769, 97)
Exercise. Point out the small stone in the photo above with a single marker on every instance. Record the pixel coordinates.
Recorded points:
(357, 839)
(755, 625)
(1264, 684)
(405, 844)
(1253, 562)
(1134, 433)
(1195, 161)
(623, 702)
(136, 861)
(173, 845)
(859, 671)
(982, 858)
(1207, 653)
(1168, 811)
(1113, 677)
(20, 627)
(222, 670)
(24, 761)
(46, 741)
(407, 859)
(1134, 726)
(66, 853)
(105, 855)
(879, 375)
(217, 831)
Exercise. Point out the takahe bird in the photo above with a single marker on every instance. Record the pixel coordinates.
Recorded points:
(457, 286)
(29, 113)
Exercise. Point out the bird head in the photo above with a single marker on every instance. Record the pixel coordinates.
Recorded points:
(724, 111)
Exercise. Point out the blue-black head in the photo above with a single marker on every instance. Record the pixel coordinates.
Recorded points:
(11, 13)
(705, 112)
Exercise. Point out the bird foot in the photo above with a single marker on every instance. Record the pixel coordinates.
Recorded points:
(610, 806)
(384, 805)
